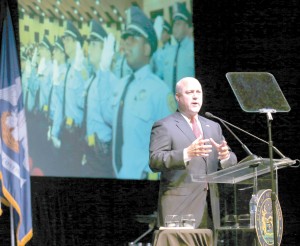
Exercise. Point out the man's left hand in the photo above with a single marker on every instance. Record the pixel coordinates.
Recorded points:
(223, 149)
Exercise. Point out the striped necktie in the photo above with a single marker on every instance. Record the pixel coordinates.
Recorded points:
(86, 94)
(196, 127)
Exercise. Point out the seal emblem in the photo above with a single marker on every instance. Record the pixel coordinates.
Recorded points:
(264, 219)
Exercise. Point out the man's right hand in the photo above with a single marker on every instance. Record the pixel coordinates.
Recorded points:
(199, 148)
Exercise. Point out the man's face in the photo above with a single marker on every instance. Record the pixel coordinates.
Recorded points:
(180, 29)
(189, 97)
(95, 52)
(70, 45)
(44, 52)
(137, 52)
(58, 55)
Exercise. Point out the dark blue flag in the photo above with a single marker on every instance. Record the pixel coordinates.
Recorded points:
(14, 161)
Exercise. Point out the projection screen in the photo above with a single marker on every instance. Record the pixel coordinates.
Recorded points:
(77, 58)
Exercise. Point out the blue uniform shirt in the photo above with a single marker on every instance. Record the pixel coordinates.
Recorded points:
(158, 59)
(25, 83)
(185, 62)
(45, 84)
(74, 95)
(32, 86)
(147, 100)
(56, 107)
(98, 95)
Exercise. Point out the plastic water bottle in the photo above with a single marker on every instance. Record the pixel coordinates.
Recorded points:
(252, 210)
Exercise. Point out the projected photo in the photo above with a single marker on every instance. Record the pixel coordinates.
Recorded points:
(96, 75)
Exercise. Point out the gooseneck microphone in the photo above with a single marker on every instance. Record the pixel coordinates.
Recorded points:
(250, 156)
(224, 122)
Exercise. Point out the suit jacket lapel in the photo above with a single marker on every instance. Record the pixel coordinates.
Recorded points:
(184, 126)
(206, 129)
(187, 130)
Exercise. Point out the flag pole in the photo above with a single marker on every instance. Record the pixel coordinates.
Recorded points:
(12, 229)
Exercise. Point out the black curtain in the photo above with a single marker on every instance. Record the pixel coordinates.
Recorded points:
(230, 35)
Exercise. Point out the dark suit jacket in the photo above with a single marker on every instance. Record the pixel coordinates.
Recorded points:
(178, 194)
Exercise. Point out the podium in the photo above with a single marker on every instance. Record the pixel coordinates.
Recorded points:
(244, 171)
(256, 92)
(239, 181)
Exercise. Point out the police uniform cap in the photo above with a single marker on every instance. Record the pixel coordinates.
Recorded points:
(45, 42)
(59, 44)
(97, 32)
(180, 12)
(72, 31)
(138, 24)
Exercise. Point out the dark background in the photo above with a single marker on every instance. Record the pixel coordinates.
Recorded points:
(230, 35)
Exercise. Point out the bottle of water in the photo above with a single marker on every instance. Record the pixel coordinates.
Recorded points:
(252, 210)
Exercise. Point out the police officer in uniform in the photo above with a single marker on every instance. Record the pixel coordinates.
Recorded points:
(28, 100)
(140, 99)
(179, 58)
(97, 157)
(73, 100)
(30, 83)
(33, 82)
(45, 71)
(57, 94)
(40, 125)
(53, 159)
(160, 54)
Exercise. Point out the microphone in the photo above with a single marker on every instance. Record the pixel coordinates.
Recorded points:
(250, 156)
(210, 115)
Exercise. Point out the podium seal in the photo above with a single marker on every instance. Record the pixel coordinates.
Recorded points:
(264, 219)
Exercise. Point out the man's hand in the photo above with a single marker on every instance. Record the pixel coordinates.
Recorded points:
(223, 149)
(199, 148)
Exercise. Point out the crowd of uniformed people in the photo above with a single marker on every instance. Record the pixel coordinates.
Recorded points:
(89, 114)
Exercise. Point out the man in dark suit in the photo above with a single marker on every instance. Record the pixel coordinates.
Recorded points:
(177, 153)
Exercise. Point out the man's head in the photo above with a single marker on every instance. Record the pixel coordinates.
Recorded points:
(59, 54)
(189, 96)
(166, 32)
(182, 21)
(70, 38)
(96, 40)
(140, 38)
(45, 49)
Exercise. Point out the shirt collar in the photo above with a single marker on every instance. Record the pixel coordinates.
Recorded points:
(188, 119)
(142, 72)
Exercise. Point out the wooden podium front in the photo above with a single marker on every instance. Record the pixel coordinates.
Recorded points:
(183, 237)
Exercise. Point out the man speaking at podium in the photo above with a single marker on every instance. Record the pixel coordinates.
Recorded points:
(185, 144)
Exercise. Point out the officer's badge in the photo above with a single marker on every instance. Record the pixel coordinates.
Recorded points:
(171, 102)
